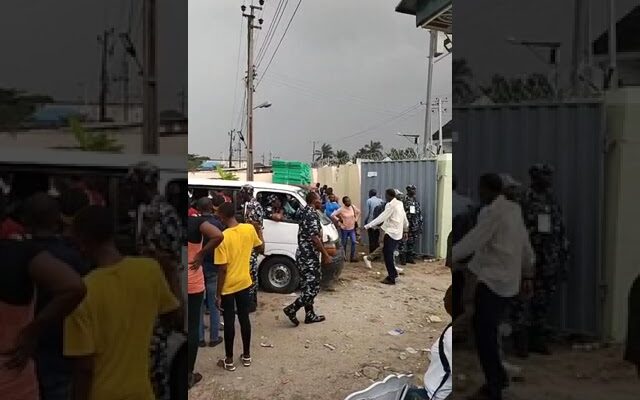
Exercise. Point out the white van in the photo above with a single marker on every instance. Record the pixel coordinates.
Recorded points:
(278, 272)
(108, 171)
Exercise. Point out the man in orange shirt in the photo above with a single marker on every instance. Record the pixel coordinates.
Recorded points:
(232, 258)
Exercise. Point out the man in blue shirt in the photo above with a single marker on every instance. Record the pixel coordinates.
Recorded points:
(374, 233)
(331, 206)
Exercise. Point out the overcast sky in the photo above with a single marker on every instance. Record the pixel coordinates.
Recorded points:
(51, 48)
(343, 67)
(481, 29)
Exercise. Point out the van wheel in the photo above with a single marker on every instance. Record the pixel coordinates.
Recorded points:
(279, 274)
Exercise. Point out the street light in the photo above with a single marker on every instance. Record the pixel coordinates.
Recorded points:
(250, 164)
(266, 104)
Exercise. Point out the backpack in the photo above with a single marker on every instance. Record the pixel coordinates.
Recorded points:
(378, 210)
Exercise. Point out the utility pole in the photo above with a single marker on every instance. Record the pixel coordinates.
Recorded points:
(107, 50)
(150, 89)
(313, 153)
(251, 73)
(613, 56)
(433, 42)
(231, 139)
(182, 98)
(124, 79)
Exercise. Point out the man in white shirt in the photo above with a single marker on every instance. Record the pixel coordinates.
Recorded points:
(396, 227)
(501, 251)
(437, 379)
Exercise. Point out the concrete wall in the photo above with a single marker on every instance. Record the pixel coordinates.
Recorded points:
(345, 181)
(131, 138)
(444, 202)
(621, 263)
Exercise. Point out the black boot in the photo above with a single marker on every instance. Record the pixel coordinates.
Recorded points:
(521, 343)
(311, 317)
(290, 311)
(402, 259)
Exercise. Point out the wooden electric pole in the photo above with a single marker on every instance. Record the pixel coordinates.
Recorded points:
(107, 50)
(250, 87)
(150, 90)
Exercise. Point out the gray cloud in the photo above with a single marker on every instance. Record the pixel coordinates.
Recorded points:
(343, 67)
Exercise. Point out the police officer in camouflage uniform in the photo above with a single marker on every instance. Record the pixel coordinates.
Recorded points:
(543, 218)
(310, 247)
(413, 210)
(160, 235)
(253, 214)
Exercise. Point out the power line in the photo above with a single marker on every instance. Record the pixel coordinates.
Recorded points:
(279, 43)
(273, 27)
(382, 123)
(291, 83)
(274, 22)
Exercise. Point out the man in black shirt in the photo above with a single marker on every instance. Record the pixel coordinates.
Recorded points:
(43, 223)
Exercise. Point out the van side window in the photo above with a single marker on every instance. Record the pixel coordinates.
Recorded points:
(290, 204)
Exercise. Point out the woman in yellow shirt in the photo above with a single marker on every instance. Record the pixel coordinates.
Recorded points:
(232, 258)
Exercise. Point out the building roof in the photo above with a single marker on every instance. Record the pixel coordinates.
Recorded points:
(430, 14)
(447, 131)
(627, 35)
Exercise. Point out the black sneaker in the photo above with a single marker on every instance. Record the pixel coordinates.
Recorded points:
(291, 314)
(216, 342)
(388, 281)
(202, 343)
(313, 318)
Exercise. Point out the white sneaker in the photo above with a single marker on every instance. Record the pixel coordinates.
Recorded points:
(367, 262)
(400, 270)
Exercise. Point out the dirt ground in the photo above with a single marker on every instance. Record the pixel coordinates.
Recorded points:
(566, 375)
(328, 361)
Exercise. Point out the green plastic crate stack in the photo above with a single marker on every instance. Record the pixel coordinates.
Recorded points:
(291, 172)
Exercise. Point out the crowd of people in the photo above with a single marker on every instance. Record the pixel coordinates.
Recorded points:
(508, 255)
(80, 319)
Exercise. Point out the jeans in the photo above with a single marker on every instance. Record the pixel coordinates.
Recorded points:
(349, 235)
(54, 376)
(194, 309)
(375, 254)
(211, 285)
(242, 302)
(416, 394)
(374, 239)
(489, 310)
(389, 248)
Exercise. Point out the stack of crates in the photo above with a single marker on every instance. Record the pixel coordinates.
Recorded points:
(291, 172)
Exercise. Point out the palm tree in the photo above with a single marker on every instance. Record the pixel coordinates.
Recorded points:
(460, 75)
(342, 156)
(374, 149)
(326, 152)
(533, 87)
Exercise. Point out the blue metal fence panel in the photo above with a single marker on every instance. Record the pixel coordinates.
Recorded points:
(382, 175)
(509, 139)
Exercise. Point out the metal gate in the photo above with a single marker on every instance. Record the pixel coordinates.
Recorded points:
(382, 175)
(509, 139)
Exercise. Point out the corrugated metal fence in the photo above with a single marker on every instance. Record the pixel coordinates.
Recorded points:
(509, 139)
(398, 174)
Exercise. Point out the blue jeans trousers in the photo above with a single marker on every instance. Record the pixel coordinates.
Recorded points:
(211, 287)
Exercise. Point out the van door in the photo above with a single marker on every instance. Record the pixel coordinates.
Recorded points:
(281, 237)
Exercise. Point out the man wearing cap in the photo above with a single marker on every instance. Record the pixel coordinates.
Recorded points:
(543, 218)
(413, 210)
(160, 235)
(253, 214)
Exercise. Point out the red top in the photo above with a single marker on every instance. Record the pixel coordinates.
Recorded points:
(193, 212)
(10, 229)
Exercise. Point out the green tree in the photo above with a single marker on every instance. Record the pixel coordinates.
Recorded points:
(534, 87)
(226, 175)
(16, 107)
(343, 156)
(461, 75)
(94, 141)
(326, 152)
